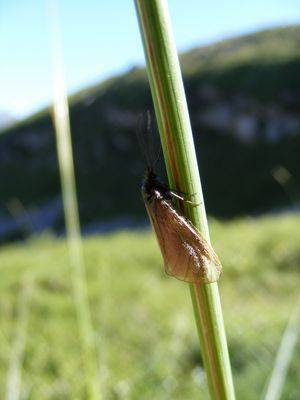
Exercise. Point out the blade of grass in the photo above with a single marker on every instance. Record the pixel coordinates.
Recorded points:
(66, 166)
(180, 157)
(284, 355)
(13, 386)
(5, 345)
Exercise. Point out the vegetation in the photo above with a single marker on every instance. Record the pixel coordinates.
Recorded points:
(147, 344)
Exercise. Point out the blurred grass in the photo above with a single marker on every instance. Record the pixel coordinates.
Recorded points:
(143, 320)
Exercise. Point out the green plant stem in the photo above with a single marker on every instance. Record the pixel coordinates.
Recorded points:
(66, 168)
(181, 163)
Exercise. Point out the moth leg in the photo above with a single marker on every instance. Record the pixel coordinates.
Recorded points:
(178, 196)
(192, 203)
(182, 193)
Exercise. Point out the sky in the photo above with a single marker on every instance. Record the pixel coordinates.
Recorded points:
(101, 38)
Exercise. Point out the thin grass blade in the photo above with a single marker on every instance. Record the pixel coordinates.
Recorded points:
(66, 166)
(284, 356)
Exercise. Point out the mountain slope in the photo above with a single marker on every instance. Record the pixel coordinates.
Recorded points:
(243, 96)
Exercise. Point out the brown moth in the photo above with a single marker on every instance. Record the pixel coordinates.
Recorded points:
(187, 255)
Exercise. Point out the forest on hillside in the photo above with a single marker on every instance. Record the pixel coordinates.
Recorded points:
(244, 101)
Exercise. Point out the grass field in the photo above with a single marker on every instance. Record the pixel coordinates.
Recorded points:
(144, 327)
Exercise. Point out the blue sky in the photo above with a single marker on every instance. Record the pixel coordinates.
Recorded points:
(101, 38)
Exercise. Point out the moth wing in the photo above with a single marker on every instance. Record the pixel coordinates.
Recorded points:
(187, 255)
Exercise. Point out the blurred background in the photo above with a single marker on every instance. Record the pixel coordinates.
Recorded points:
(240, 66)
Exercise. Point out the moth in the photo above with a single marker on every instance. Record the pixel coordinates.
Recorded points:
(187, 254)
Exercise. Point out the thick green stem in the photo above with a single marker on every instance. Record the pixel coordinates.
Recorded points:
(180, 157)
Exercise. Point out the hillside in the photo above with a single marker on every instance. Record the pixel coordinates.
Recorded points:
(244, 98)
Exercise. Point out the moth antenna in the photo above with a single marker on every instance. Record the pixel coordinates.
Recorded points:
(157, 157)
(155, 151)
(145, 138)
(143, 145)
(150, 138)
(148, 121)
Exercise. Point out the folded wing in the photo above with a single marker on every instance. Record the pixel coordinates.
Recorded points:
(187, 255)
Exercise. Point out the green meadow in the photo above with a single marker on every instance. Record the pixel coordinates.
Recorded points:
(144, 326)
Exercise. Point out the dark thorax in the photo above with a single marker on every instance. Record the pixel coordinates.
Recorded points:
(153, 187)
